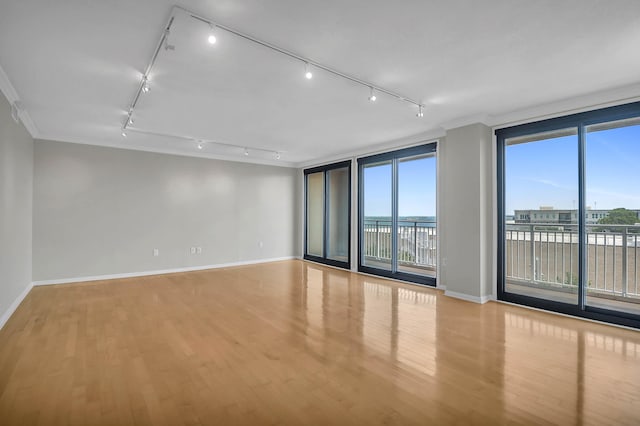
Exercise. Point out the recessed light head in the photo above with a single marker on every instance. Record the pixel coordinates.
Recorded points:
(246, 151)
(308, 74)
(277, 155)
(145, 87)
(420, 114)
(200, 145)
(123, 133)
(372, 96)
(212, 36)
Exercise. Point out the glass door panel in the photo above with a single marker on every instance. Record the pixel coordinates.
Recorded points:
(315, 214)
(338, 214)
(416, 236)
(612, 216)
(377, 215)
(541, 221)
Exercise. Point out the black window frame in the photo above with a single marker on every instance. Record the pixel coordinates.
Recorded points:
(427, 148)
(324, 259)
(579, 121)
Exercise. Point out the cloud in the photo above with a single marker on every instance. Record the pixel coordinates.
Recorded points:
(550, 183)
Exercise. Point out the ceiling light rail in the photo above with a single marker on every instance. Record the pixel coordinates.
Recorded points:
(308, 62)
(202, 143)
(144, 86)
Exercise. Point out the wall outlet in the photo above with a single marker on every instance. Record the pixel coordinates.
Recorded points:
(156, 252)
(193, 250)
(199, 250)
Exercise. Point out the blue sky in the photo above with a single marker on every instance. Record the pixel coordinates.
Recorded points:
(545, 173)
(416, 188)
(541, 173)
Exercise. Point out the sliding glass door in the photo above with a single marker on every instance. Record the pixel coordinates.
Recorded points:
(569, 222)
(327, 214)
(397, 214)
(612, 172)
(377, 188)
(541, 234)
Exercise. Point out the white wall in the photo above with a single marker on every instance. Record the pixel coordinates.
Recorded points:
(467, 204)
(101, 211)
(16, 184)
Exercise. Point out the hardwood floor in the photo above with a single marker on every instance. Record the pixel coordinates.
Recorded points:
(296, 343)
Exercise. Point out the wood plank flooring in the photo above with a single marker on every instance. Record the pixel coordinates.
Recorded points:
(296, 343)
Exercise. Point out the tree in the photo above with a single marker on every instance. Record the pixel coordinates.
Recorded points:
(620, 216)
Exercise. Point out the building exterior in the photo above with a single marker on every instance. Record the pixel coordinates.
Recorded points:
(549, 215)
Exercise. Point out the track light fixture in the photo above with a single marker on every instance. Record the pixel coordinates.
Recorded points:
(212, 35)
(166, 44)
(307, 71)
(214, 28)
(145, 85)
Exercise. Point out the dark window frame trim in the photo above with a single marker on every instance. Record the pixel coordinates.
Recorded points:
(325, 260)
(579, 121)
(427, 148)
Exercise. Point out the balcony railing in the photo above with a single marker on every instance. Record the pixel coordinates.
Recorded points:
(417, 242)
(546, 255)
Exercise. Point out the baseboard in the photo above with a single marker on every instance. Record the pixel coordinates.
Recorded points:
(475, 299)
(12, 308)
(158, 272)
(544, 311)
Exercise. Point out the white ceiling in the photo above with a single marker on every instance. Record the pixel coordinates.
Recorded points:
(76, 65)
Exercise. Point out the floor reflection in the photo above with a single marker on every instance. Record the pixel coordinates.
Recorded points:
(504, 362)
(391, 321)
(574, 366)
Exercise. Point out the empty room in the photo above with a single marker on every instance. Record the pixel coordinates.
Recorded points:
(245, 212)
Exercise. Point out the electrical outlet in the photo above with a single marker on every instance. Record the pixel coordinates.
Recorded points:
(156, 252)
(199, 250)
(193, 250)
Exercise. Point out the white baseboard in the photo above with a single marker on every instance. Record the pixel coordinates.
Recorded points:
(12, 308)
(158, 272)
(544, 311)
(475, 299)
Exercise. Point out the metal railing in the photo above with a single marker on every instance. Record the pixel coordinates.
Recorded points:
(547, 255)
(417, 242)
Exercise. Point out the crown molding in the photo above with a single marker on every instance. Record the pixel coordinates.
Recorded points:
(590, 101)
(12, 96)
(466, 121)
(405, 142)
(170, 151)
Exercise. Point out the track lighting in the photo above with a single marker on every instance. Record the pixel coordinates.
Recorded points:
(212, 35)
(213, 29)
(308, 74)
(145, 86)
